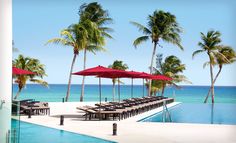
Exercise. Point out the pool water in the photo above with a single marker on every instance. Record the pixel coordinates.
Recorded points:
(31, 133)
(218, 113)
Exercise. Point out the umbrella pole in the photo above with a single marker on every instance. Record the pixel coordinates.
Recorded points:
(143, 87)
(119, 89)
(100, 97)
(132, 83)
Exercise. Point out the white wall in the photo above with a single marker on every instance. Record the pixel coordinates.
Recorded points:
(5, 67)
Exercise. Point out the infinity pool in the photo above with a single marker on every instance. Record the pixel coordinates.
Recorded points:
(197, 113)
(31, 133)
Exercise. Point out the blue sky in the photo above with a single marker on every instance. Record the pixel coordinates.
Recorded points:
(35, 22)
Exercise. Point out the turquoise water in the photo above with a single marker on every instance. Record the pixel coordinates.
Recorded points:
(187, 94)
(218, 113)
(31, 133)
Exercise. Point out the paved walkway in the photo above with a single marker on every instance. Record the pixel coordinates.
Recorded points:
(130, 131)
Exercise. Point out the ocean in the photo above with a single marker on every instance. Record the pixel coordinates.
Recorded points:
(187, 94)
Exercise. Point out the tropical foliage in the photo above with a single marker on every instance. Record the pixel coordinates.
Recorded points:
(94, 13)
(87, 35)
(210, 44)
(160, 26)
(30, 64)
(226, 55)
(77, 40)
(171, 67)
(119, 65)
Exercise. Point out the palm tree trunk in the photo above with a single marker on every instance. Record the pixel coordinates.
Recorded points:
(114, 92)
(163, 89)
(155, 92)
(212, 84)
(217, 75)
(18, 93)
(151, 67)
(69, 82)
(82, 86)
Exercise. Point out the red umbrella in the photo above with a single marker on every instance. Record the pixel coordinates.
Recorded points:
(17, 71)
(126, 74)
(117, 74)
(95, 71)
(134, 74)
(161, 77)
(99, 71)
(144, 75)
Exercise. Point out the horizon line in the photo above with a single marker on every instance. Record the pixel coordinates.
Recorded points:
(128, 84)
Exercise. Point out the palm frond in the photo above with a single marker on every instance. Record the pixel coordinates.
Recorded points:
(181, 78)
(142, 28)
(197, 52)
(139, 40)
(176, 86)
(173, 39)
(106, 29)
(105, 34)
(41, 82)
(103, 21)
(206, 64)
(68, 35)
(61, 41)
(95, 48)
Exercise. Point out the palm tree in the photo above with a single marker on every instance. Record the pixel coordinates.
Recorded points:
(172, 67)
(226, 55)
(76, 38)
(161, 26)
(30, 64)
(156, 87)
(119, 65)
(94, 13)
(210, 44)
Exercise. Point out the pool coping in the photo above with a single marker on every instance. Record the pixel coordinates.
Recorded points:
(139, 117)
(67, 131)
(143, 120)
(129, 129)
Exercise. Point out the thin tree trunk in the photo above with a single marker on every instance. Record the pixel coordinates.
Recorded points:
(82, 86)
(151, 67)
(212, 84)
(217, 75)
(18, 93)
(114, 92)
(163, 89)
(155, 93)
(69, 82)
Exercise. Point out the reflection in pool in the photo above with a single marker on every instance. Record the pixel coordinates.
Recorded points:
(198, 113)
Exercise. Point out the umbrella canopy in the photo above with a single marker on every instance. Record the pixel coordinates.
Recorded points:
(95, 71)
(103, 72)
(99, 71)
(133, 74)
(17, 71)
(127, 74)
(145, 75)
(121, 74)
(161, 77)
